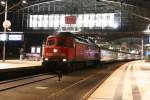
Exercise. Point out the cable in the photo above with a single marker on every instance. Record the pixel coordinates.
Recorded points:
(11, 7)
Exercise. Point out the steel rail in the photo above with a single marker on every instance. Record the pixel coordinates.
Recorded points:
(24, 83)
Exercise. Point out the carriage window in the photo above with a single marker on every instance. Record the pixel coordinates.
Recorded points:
(50, 42)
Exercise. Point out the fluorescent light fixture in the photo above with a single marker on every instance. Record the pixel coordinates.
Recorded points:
(24, 1)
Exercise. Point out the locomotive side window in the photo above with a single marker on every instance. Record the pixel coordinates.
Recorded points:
(50, 42)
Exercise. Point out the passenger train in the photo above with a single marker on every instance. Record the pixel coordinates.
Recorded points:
(65, 50)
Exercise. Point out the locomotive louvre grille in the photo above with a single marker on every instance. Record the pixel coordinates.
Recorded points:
(55, 54)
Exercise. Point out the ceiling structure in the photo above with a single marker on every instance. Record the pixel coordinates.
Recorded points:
(89, 5)
(135, 14)
(137, 10)
(131, 9)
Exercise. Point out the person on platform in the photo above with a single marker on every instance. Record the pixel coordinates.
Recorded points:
(21, 54)
(59, 75)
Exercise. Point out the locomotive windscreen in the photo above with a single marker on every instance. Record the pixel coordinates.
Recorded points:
(61, 43)
(50, 42)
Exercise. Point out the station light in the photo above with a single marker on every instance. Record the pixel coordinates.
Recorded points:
(3, 2)
(24, 1)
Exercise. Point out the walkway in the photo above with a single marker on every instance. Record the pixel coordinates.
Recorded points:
(129, 82)
(18, 64)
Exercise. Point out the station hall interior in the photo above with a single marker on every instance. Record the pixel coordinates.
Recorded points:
(118, 24)
(38, 36)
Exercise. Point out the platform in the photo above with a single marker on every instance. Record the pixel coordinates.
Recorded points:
(9, 64)
(130, 81)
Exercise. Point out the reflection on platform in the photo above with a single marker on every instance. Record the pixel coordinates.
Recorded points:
(130, 81)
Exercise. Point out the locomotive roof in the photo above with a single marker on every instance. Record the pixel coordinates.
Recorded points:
(69, 34)
(62, 34)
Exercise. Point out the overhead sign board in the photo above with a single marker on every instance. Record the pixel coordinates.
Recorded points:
(15, 37)
(11, 36)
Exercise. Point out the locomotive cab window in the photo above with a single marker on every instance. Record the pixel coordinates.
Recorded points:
(61, 43)
(50, 42)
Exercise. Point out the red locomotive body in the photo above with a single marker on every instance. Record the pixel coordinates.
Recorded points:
(66, 48)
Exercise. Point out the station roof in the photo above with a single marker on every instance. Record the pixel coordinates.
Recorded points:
(137, 8)
(137, 3)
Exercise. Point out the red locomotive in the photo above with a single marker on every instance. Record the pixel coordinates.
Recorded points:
(68, 49)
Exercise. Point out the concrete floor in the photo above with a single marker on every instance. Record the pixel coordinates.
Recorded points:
(18, 64)
(73, 86)
(130, 81)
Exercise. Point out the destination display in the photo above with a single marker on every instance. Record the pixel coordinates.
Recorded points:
(15, 37)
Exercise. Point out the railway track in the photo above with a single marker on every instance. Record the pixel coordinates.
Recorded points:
(79, 90)
(73, 86)
(14, 83)
(62, 94)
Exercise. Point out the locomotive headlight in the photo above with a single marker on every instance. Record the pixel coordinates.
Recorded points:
(64, 60)
(55, 50)
(46, 59)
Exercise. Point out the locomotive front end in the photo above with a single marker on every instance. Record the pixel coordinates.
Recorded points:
(53, 52)
(58, 50)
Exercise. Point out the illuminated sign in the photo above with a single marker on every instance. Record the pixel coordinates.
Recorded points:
(15, 37)
(70, 19)
(105, 20)
(149, 39)
(3, 37)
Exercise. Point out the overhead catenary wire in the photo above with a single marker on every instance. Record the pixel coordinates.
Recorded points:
(17, 4)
